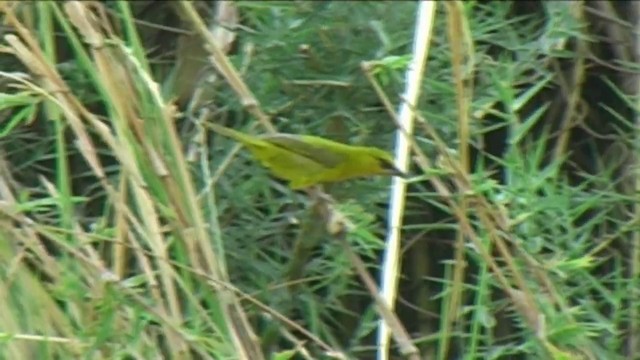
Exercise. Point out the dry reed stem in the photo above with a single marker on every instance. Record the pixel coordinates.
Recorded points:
(456, 35)
(226, 69)
(491, 215)
(56, 90)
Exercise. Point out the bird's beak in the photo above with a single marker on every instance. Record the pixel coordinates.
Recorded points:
(396, 172)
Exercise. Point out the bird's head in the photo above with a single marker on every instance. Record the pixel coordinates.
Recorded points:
(381, 163)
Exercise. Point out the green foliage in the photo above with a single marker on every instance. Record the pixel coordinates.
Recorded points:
(115, 244)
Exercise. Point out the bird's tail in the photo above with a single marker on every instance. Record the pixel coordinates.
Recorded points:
(238, 136)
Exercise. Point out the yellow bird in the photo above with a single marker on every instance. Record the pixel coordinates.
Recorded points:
(306, 160)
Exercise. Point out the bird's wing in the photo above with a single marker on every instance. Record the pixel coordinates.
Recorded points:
(298, 145)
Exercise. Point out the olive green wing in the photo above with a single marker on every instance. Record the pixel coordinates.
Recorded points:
(321, 151)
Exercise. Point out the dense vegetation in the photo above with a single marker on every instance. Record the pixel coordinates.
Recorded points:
(129, 231)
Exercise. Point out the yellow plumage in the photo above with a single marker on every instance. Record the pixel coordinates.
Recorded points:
(306, 160)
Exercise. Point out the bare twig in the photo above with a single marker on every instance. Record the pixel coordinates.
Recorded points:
(225, 67)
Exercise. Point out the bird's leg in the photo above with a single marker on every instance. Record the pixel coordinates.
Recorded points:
(317, 195)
